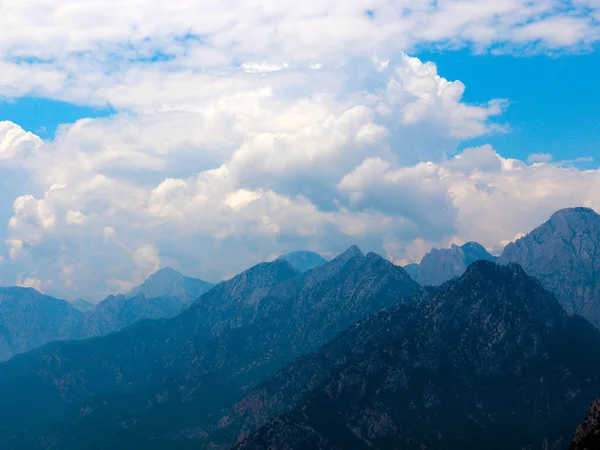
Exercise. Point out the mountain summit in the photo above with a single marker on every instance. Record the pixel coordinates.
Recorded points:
(304, 261)
(441, 265)
(167, 282)
(564, 254)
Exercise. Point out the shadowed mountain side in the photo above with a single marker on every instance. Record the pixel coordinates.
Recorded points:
(166, 380)
(488, 362)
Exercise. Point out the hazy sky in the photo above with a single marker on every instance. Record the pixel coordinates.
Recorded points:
(210, 136)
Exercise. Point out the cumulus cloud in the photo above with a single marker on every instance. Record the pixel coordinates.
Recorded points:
(145, 52)
(244, 130)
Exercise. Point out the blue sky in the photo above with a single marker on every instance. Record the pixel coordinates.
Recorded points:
(553, 99)
(286, 126)
(42, 116)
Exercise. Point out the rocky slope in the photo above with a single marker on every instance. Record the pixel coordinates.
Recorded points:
(587, 436)
(564, 254)
(162, 383)
(441, 265)
(304, 261)
(488, 362)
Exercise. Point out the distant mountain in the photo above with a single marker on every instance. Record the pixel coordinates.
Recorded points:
(587, 436)
(29, 319)
(167, 282)
(491, 361)
(413, 271)
(304, 261)
(564, 254)
(441, 265)
(118, 311)
(162, 383)
(83, 305)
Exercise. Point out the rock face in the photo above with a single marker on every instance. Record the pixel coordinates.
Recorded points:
(168, 282)
(487, 362)
(587, 436)
(441, 265)
(163, 383)
(564, 254)
(304, 261)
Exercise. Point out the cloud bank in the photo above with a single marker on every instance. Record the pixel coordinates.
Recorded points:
(248, 130)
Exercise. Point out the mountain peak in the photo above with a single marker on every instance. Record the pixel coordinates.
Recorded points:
(352, 252)
(473, 246)
(303, 261)
(564, 254)
(579, 211)
(166, 272)
(168, 282)
(441, 265)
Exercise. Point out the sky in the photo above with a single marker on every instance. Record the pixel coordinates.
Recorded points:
(212, 136)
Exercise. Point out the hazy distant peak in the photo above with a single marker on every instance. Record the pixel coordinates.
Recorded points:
(474, 246)
(168, 282)
(303, 261)
(441, 265)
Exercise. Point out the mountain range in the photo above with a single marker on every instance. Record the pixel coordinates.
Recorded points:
(161, 381)
(563, 253)
(303, 353)
(487, 362)
(29, 319)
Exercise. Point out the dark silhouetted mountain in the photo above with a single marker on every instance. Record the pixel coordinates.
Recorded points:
(587, 436)
(161, 384)
(168, 282)
(304, 261)
(29, 319)
(491, 361)
(564, 254)
(441, 265)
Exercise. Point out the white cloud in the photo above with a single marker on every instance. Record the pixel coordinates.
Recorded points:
(169, 55)
(241, 134)
(539, 157)
(30, 283)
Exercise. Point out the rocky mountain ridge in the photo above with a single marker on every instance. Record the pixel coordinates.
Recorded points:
(487, 362)
(564, 254)
(167, 379)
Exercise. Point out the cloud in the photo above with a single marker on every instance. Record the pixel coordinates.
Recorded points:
(539, 157)
(147, 52)
(246, 130)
